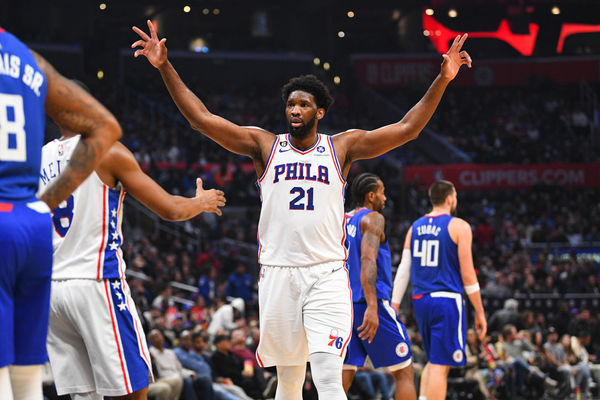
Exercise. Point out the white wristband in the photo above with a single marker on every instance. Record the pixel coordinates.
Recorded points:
(472, 288)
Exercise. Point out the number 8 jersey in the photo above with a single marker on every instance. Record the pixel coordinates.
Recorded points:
(302, 216)
(435, 265)
(87, 234)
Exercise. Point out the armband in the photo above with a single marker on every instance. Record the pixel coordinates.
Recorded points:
(472, 288)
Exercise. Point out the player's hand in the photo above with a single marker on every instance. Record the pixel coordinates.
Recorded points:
(368, 328)
(396, 307)
(480, 324)
(213, 198)
(154, 50)
(454, 58)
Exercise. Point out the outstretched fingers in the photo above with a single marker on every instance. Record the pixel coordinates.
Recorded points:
(140, 32)
(466, 58)
(152, 30)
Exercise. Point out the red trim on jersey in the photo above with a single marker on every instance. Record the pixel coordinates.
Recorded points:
(311, 148)
(417, 296)
(351, 314)
(103, 231)
(335, 159)
(2, 30)
(259, 360)
(269, 160)
(112, 318)
(6, 207)
(434, 216)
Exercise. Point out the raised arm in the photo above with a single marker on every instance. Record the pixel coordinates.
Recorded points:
(360, 144)
(249, 141)
(460, 231)
(73, 108)
(121, 164)
(372, 228)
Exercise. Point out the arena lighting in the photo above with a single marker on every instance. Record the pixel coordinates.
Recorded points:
(452, 13)
(429, 11)
(100, 74)
(341, 34)
(326, 66)
(350, 14)
(572, 29)
(216, 11)
(523, 43)
(102, 6)
(316, 61)
(337, 80)
(555, 10)
(186, 9)
(205, 11)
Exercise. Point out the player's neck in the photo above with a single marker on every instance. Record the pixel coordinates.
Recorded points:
(306, 142)
(438, 211)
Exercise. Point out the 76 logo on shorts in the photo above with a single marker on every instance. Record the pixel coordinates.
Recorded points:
(335, 339)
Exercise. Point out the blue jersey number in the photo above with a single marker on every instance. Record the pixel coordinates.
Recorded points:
(62, 216)
(295, 203)
(12, 128)
(428, 252)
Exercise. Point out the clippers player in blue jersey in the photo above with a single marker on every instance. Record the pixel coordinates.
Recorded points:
(304, 298)
(437, 258)
(29, 85)
(376, 331)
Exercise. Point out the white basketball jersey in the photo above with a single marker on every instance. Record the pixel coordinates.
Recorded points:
(302, 215)
(87, 234)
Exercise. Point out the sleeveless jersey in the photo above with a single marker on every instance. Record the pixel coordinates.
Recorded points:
(302, 215)
(23, 91)
(384, 260)
(87, 234)
(434, 265)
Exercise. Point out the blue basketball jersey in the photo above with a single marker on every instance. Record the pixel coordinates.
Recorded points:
(384, 260)
(23, 91)
(434, 265)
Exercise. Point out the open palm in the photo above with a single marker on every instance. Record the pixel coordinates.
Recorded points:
(454, 58)
(154, 50)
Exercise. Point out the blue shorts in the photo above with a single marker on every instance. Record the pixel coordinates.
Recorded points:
(25, 273)
(390, 346)
(441, 320)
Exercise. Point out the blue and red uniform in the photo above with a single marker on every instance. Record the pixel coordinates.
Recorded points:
(25, 223)
(437, 290)
(391, 345)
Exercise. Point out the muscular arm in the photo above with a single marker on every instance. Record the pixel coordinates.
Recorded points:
(372, 228)
(460, 231)
(73, 108)
(253, 142)
(120, 163)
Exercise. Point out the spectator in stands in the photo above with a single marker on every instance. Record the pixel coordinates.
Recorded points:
(239, 348)
(560, 368)
(228, 365)
(240, 284)
(475, 359)
(583, 360)
(507, 315)
(208, 286)
(169, 370)
(164, 298)
(224, 318)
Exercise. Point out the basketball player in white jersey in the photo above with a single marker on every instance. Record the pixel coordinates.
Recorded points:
(96, 344)
(304, 296)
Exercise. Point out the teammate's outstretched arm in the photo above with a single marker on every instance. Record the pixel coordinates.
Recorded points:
(73, 108)
(467, 271)
(368, 144)
(402, 274)
(241, 140)
(121, 164)
(372, 227)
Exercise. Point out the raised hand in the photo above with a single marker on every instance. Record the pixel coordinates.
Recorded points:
(454, 58)
(213, 198)
(154, 50)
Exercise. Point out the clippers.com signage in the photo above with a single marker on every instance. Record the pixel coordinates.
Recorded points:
(489, 177)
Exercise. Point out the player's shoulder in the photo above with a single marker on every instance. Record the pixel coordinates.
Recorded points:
(459, 224)
(373, 217)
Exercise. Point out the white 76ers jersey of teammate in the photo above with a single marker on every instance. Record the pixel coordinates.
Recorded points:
(302, 216)
(90, 218)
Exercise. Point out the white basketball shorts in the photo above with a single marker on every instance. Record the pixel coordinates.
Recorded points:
(95, 339)
(303, 310)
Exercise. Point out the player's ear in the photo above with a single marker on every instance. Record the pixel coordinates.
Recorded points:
(320, 113)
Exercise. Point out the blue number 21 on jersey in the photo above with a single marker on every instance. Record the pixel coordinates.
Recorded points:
(297, 202)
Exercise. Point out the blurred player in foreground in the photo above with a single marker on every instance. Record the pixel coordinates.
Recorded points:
(437, 258)
(28, 86)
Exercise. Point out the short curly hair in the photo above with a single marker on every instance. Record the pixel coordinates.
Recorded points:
(310, 84)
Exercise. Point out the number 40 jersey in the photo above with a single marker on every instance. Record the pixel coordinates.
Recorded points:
(302, 216)
(87, 234)
(435, 265)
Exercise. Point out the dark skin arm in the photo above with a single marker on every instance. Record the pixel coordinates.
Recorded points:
(119, 165)
(73, 108)
(359, 144)
(250, 141)
(372, 227)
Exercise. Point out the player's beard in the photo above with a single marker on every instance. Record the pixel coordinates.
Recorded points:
(302, 131)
